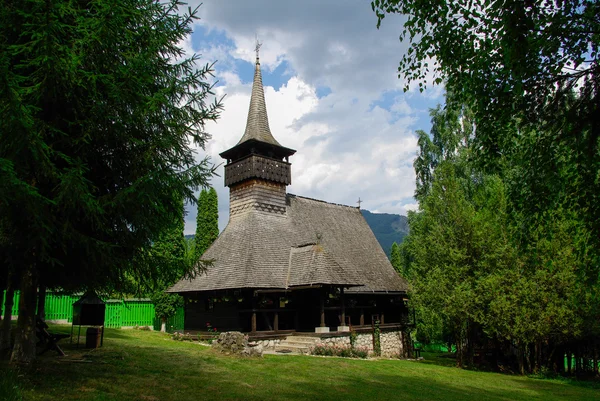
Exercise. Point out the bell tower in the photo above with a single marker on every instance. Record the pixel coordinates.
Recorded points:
(258, 169)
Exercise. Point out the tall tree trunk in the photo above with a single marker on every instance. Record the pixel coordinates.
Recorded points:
(41, 305)
(521, 351)
(2, 299)
(5, 326)
(537, 353)
(459, 352)
(595, 350)
(25, 339)
(528, 352)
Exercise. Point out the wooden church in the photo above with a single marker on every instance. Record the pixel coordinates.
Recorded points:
(284, 262)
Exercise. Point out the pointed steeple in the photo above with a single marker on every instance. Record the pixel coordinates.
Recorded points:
(258, 169)
(257, 138)
(257, 125)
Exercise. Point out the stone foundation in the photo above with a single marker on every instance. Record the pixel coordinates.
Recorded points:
(391, 342)
(267, 344)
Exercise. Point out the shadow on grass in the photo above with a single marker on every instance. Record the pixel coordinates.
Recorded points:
(141, 365)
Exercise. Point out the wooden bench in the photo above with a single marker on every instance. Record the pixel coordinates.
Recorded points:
(49, 341)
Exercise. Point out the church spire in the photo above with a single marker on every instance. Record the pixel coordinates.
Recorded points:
(257, 161)
(257, 125)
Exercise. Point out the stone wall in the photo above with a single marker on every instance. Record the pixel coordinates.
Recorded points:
(267, 344)
(391, 342)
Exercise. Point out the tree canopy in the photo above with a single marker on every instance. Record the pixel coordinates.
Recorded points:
(473, 275)
(100, 106)
(515, 62)
(527, 72)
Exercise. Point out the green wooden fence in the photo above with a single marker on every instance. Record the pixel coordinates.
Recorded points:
(119, 313)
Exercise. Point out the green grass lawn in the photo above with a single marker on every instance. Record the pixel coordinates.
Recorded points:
(141, 365)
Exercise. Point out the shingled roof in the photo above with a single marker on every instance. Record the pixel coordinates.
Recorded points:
(257, 125)
(314, 243)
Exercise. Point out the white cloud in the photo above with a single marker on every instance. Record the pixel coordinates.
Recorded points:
(347, 147)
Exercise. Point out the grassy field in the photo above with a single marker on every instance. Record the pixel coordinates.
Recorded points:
(140, 365)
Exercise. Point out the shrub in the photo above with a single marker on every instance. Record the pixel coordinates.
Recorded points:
(353, 338)
(346, 352)
(360, 352)
(376, 339)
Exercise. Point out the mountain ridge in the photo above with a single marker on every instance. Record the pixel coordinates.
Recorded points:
(387, 227)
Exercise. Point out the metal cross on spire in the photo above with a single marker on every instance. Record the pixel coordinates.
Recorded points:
(257, 47)
(359, 202)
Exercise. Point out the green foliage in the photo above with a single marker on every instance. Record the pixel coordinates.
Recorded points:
(207, 221)
(475, 268)
(396, 259)
(169, 256)
(528, 72)
(377, 338)
(353, 338)
(100, 108)
(507, 58)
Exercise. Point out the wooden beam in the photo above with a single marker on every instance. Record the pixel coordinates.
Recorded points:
(322, 308)
(253, 322)
(343, 301)
(253, 319)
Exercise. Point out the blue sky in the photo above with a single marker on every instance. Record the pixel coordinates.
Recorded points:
(332, 93)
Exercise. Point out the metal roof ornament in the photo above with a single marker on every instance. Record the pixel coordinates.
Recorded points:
(257, 49)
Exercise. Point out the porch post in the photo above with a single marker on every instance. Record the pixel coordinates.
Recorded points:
(253, 324)
(322, 328)
(276, 321)
(343, 327)
(322, 309)
(362, 316)
(343, 306)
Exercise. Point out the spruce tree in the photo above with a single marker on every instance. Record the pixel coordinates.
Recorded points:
(98, 104)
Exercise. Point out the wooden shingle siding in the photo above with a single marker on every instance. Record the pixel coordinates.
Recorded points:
(257, 195)
(255, 166)
(314, 242)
